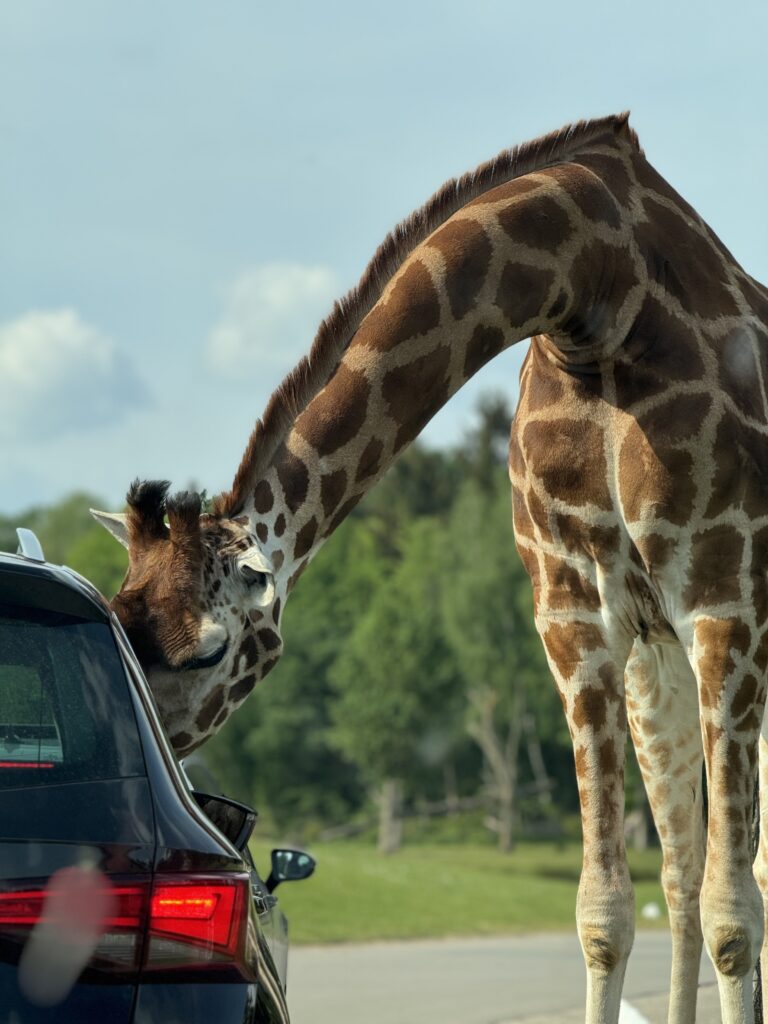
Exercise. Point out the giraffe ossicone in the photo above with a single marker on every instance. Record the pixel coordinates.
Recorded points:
(639, 470)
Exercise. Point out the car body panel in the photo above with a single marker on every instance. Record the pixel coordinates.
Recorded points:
(85, 1004)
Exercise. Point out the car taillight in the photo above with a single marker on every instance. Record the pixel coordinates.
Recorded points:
(197, 921)
(119, 944)
(169, 924)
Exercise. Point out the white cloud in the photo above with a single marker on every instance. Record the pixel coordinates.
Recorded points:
(58, 374)
(270, 318)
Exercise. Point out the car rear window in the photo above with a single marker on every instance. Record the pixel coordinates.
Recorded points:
(65, 711)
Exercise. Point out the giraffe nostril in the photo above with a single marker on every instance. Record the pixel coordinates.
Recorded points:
(253, 577)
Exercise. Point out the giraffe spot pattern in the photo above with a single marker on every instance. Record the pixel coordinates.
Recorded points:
(693, 272)
(656, 551)
(558, 306)
(335, 416)
(567, 642)
(240, 690)
(520, 516)
(661, 480)
(513, 189)
(294, 479)
(369, 461)
(269, 639)
(660, 353)
(247, 653)
(568, 588)
(740, 479)
(715, 567)
(485, 343)
(718, 639)
(263, 498)
(333, 486)
(221, 718)
(411, 310)
(210, 709)
(343, 512)
(467, 252)
(522, 292)
(600, 543)
(305, 538)
(262, 532)
(611, 186)
(594, 319)
(589, 708)
(546, 388)
(415, 392)
(542, 224)
(745, 703)
(280, 525)
(568, 456)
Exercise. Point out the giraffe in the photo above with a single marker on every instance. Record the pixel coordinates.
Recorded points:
(640, 507)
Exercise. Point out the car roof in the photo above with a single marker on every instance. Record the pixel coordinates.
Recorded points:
(84, 598)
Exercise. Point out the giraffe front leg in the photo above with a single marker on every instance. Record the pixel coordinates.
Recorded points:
(731, 697)
(663, 712)
(588, 668)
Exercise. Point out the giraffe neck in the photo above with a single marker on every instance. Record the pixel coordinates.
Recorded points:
(528, 257)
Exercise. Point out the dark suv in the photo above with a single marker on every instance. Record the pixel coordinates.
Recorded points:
(124, 895)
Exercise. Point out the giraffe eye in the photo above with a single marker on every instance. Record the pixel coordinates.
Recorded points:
(253, 577)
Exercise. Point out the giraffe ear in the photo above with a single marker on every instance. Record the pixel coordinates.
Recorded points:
(115, 522)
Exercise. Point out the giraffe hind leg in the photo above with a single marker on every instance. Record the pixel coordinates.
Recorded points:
(663, 713)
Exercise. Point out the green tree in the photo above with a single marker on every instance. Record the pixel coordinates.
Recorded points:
(488, 616)
(395, 679)
(485, 447)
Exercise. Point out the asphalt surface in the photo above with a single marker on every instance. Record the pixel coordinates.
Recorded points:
(537, 979)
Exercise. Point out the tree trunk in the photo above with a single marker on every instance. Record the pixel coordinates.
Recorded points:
(450, 783)
(538, 767)
(501, 758)
(390, 801)
(506, 815)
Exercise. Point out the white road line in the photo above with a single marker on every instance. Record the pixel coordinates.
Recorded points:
(629, 1015)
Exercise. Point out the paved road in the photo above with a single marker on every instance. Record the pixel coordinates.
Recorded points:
(537, 979)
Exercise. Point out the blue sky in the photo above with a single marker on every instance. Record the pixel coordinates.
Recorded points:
(186, 186)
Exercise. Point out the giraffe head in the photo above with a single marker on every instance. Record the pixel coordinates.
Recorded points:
(199, 604)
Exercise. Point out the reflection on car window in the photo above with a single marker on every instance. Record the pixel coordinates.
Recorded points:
(65, 710)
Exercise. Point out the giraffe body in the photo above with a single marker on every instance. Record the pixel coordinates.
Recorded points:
(640, 497)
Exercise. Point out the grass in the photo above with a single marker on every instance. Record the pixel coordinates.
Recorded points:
(436, 890)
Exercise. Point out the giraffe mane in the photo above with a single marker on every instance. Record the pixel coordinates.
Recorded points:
(336, 331)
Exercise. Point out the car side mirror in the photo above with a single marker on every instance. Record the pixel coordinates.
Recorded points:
(289, 866)
(234, 820)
